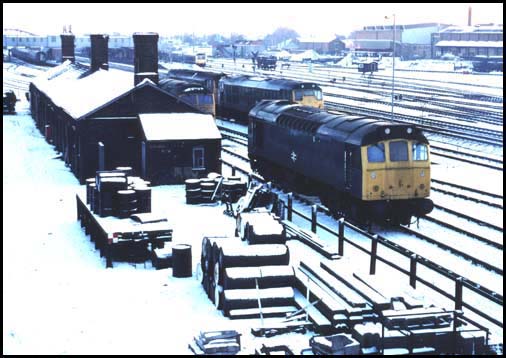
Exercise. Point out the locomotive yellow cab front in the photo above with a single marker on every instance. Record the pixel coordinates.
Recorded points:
(395, 169)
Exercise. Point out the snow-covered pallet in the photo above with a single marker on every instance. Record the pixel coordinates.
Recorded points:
(245, 313)
(249, 298)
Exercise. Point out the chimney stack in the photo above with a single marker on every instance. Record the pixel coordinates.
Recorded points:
(67, 48)
(469, 16)
(145, 56)
(99, 52)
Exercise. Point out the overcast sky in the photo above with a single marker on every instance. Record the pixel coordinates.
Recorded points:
(252, 20)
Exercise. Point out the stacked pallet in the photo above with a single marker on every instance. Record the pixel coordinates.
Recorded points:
(309, 238)
(340, 305)
(247, 281)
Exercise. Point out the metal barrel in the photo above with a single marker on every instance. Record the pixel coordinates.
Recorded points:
(89, 193)
(143, 195)
(182, 260)
(126, 203)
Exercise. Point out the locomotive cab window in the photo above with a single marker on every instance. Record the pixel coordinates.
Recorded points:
(420, 151)
(376, 153)
(398, 151)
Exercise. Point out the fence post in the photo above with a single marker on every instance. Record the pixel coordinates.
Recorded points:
(374, 248)
(250, 179)
(412, 271)
(341, 237)
(233, 170)
(458, 293)
(314, 210)
(290, 202)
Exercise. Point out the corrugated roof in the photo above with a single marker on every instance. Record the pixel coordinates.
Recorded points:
(178, 126)
(455, 43)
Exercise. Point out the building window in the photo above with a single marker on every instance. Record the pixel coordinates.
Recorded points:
(198, 158)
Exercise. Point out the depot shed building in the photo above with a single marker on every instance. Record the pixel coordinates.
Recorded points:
(90, 113)
(179, 146)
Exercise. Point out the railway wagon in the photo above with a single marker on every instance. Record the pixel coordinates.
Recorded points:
(266, 62)
(36, 56)
(191, 92)
(363, 168)
(238, 95)
(205, 78)
(198, 59)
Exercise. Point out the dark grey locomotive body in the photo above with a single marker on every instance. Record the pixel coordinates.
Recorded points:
(323, 153)
(36, 56)
(238, 95)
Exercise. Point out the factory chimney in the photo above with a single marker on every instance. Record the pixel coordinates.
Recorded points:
(469, 16)
(99, 52)
(145, 56)
(67, 47)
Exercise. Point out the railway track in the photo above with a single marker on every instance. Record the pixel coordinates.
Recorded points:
(442, 223)
(481, 275)
(477, 134)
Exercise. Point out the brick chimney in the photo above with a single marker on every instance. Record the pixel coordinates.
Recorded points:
(67, 47)
(99, 52)
(145, 56)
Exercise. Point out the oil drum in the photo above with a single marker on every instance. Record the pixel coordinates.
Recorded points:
(89, 190)
(182, 260)
(126, 203)
(126, 170)
(207, 191)
(143, 195)
(96, 200)
(90, 194)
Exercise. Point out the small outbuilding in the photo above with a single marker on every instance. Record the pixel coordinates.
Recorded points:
(178, 146)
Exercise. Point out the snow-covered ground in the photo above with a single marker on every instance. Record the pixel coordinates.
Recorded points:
(58, 297)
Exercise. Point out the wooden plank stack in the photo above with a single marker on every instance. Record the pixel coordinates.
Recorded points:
(311, 239)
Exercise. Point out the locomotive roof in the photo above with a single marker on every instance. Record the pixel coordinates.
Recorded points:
(268, 83)
(179, 86)
(353, 129)
(193, 74)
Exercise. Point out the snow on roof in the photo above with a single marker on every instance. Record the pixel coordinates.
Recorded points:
(175, 126)
(494, 28)
(455, 43)
(80, 96)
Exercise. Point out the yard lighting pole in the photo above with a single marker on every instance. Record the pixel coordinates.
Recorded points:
(393, 68)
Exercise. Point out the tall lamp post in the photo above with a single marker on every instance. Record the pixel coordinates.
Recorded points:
(393, 67)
